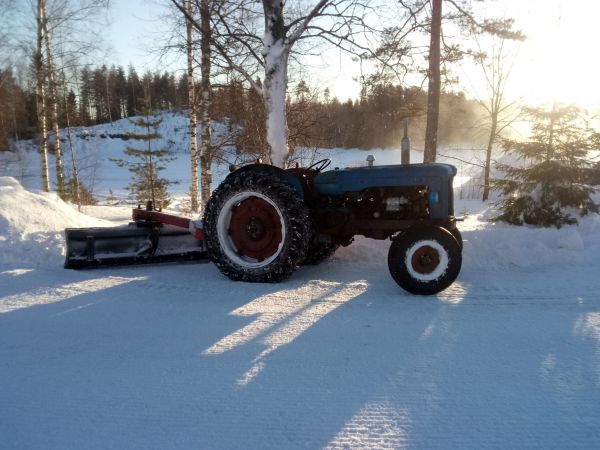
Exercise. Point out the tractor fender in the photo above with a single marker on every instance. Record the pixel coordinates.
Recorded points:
(282, 174)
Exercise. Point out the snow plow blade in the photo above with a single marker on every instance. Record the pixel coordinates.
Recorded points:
(152, 237)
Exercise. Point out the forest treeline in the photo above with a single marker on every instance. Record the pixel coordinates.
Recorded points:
(316, 119)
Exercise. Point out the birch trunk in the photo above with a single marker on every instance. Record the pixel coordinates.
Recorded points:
(53, 97)
(276, 54)
(206, 150)
(192, 109)
(433, 92)
(41, 98)
(274, 96)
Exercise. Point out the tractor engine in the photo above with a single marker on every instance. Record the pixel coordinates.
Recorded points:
(379, 201)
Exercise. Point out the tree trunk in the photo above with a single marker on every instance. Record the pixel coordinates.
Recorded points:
(53, 97)
(76, 195)
(206, 150)
(192, 109)
(488, 157)
(276, 54)
(41, 98)
(433, 93)
(550, 150)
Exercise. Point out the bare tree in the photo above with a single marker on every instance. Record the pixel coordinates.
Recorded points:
(430, 17)
(60, 17)
(496, 63)
(192, 106)
(207, 148)
(242, 48)
(41, 95)
(53, 98)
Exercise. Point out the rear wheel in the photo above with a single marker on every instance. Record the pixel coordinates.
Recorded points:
(425, 260)
(256, 227)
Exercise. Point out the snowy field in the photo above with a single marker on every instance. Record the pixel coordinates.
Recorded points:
(177, 356)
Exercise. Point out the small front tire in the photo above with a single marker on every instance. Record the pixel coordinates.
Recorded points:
(425, 260)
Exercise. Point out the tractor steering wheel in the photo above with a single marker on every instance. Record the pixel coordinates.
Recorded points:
(319, 165)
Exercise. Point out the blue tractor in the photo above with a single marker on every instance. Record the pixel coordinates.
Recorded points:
(262, 221)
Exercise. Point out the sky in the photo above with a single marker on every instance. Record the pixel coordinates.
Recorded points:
(557, 62)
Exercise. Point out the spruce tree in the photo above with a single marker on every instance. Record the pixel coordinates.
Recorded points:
(551, 185)
(145, 164)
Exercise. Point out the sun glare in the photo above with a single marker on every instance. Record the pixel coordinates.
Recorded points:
(557, 62)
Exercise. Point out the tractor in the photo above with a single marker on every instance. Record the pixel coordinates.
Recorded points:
(262, 222)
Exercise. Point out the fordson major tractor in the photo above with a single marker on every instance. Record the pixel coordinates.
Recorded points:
(262, 222)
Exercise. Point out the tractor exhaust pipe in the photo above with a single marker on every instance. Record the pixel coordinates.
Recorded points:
(405, 145)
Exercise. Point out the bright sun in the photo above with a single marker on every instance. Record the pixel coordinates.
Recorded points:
(559, 61)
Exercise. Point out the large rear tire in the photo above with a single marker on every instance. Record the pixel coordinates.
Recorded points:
(425, 260)
(256, 227)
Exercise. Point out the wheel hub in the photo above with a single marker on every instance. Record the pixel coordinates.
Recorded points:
(255, 228)
(425, 260)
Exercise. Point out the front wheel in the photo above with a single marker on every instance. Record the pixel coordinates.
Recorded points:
(425, 260)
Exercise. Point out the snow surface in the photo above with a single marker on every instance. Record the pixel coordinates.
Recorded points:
(338, 356)
(177, 356)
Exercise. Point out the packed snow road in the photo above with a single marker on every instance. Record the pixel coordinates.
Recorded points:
(337, 356)
(177, 356)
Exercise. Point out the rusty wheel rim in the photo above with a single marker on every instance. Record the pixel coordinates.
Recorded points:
(425, 260)
(255, 229)
(251, 229)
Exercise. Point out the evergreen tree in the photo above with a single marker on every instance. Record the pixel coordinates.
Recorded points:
(145, 164)
(553, 186)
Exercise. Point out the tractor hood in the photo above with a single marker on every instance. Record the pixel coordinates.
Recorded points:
(337, 182)
(437, 178)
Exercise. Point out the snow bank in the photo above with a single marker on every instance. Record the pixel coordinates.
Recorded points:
(32, 224)
(499, 245)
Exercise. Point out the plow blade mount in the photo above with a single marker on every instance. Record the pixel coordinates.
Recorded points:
(130, 244)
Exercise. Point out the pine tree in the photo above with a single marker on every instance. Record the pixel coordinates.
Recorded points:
(553, 186)
(145, 164)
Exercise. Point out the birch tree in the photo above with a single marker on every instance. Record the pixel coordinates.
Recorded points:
(242, 48)
(53, 98)
(72, 19)
(192, 106)
(206, 150)
(41, 95)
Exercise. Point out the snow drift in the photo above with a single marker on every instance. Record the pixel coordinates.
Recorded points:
(32, 224)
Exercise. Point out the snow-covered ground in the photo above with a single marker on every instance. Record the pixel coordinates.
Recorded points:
(338, 356)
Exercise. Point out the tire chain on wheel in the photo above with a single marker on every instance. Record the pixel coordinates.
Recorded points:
(293, 210)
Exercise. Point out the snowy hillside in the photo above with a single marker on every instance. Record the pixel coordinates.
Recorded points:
(96, 145)
(177, 356)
